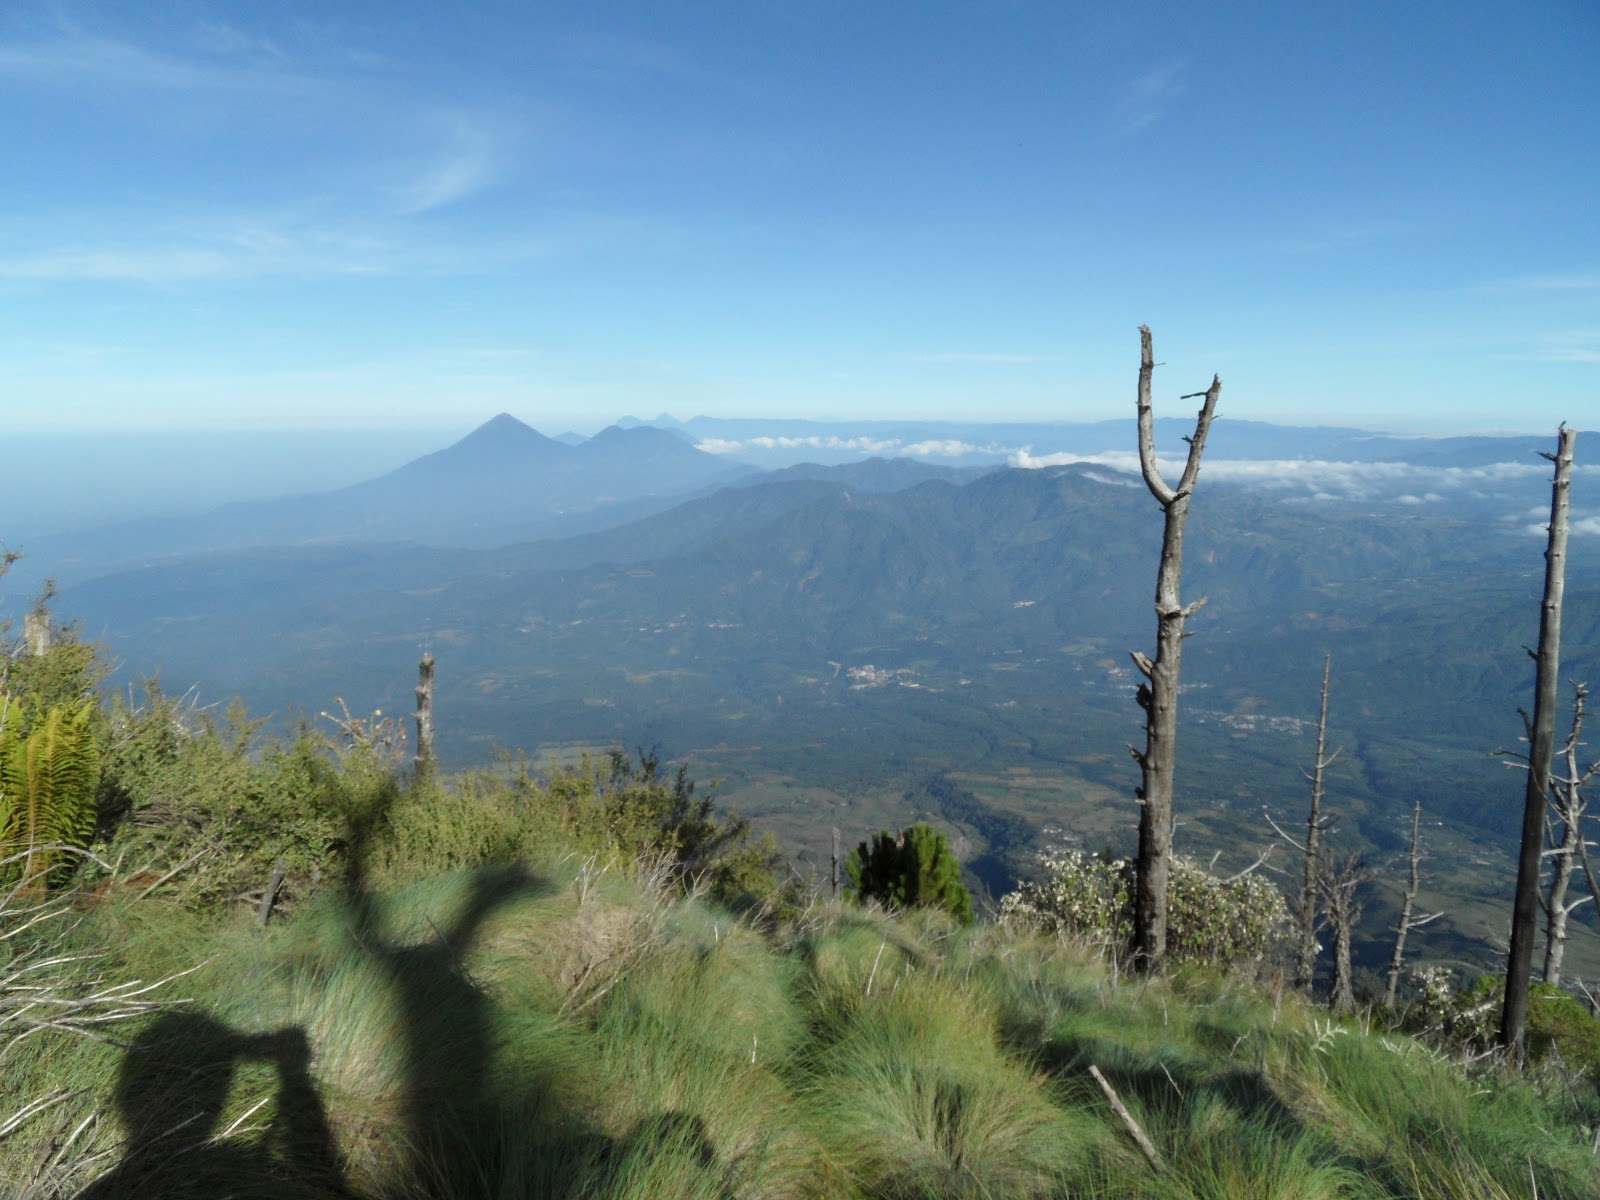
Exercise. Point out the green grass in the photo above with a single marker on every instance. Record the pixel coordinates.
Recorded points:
(573, 1030)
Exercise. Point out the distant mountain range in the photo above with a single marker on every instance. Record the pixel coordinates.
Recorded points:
(506, 482)
(501, 483)
(890, 626)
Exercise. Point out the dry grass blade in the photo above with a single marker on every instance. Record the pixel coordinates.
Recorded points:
(44, 989)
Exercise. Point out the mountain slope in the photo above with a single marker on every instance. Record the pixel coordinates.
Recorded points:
(501, 483)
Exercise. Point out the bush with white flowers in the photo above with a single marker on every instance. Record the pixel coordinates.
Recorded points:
(1222, 922)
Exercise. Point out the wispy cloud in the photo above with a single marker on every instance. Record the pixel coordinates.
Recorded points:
(219, 37)
(118, 265)
(952, 448)
(186, 248)
(87, 66)
(361, 242)
(344, 141)
(977, 358)
(1145, 99)
(467, 165)
(609, 58)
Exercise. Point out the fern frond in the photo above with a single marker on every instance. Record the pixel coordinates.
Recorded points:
(47, 786)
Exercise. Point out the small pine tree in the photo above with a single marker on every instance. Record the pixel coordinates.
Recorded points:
(911, 870)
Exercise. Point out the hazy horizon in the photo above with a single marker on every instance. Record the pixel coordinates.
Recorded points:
(127, 475)
(1439, 427)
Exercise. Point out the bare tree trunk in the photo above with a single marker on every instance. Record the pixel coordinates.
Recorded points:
(1397, 960)
(424, 759)
(270, 896)
(1306, 969)
(1541, 744)
(37, 632)
(1158, 696)
(1556, 910)
(835, 862)
(37, 629)
(1340, 884)
(1569, 803)
(1344, 996)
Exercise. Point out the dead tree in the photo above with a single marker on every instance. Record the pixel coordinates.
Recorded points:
(1565, 845)
(1407, 922)
(1570, 805)
(1316, 826)
(835, 892)
(424, 759)
(1158, 695)
(1568, 801)
(37, 632)
(1541, 729)
(37, 627)
(1339, 884)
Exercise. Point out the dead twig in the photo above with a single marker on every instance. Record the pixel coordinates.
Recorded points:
(1135, 1130)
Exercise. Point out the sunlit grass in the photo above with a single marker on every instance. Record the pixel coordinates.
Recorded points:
(574, 1029)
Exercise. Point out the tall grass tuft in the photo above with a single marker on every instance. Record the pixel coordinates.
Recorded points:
(576, 1028)
(919, 1097)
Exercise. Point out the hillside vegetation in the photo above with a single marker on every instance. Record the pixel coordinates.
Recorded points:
(593, 984)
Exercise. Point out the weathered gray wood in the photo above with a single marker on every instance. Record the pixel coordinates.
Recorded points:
(1556, 910)
(1340, 885)
(835, 892)
(1569, 803)
(1407, 922)
(37, 633)
(270, 896)
(1135, 1130)
(1158, 695)
(424, 758)
(1306, 968)
(1541, 746)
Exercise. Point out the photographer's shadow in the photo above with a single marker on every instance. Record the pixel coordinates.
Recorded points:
(172, 1087)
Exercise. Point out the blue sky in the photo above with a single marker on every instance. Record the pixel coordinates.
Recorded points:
(419, 214)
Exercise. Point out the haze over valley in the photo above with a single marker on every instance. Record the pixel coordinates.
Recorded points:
(869, 640)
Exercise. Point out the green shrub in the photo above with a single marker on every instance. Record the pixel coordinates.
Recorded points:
(913, 870)
(1470, 1020)
(183, 787)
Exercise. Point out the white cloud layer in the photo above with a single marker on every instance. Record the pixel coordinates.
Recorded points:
(1317, 479)
(940, 448)
(1323, 478)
